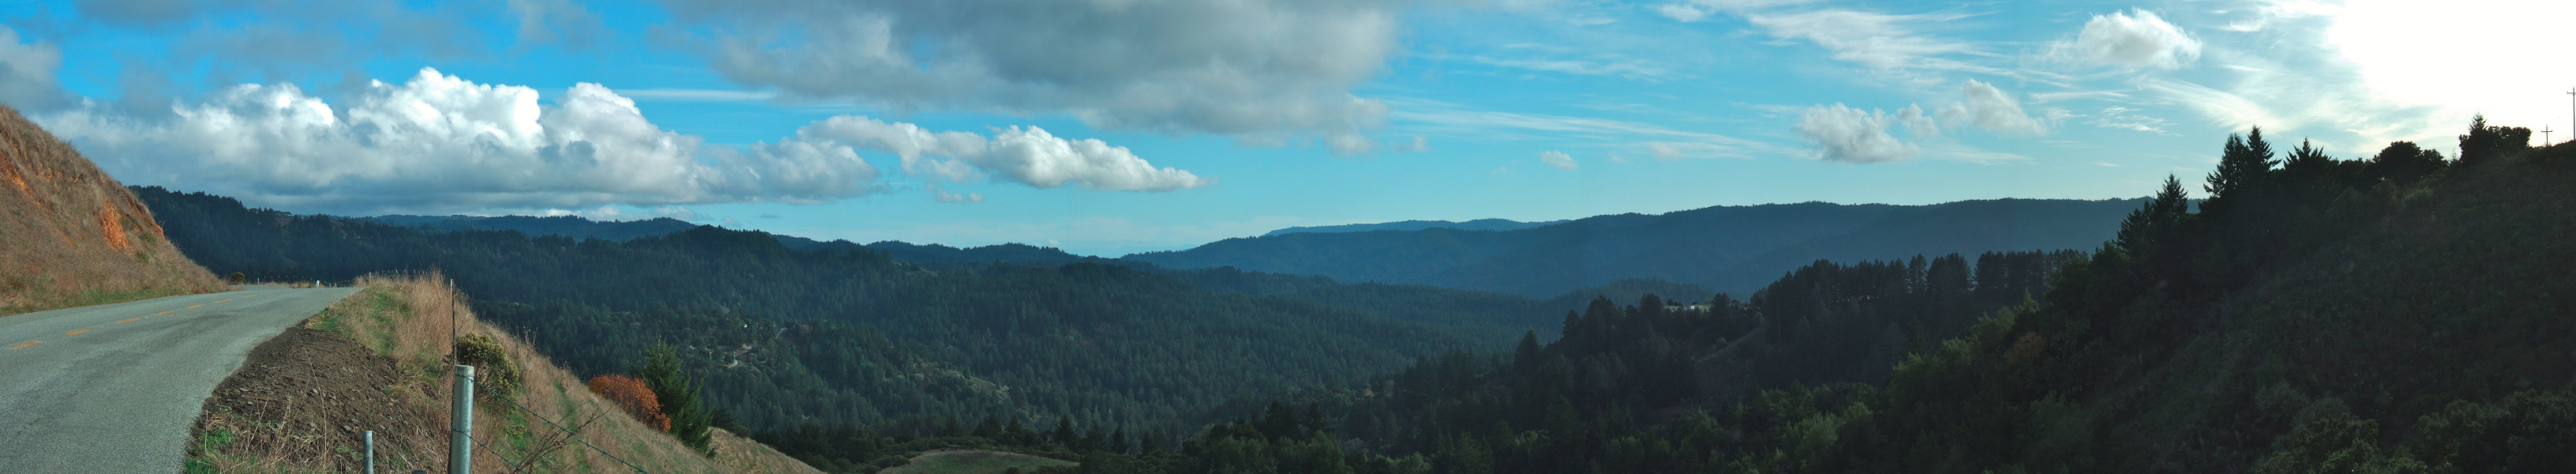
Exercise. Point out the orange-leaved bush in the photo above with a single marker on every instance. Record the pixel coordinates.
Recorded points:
(634, 396)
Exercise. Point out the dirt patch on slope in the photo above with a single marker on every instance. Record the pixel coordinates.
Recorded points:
(303, 398)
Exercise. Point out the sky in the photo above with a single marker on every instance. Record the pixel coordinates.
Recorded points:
(1105, 127)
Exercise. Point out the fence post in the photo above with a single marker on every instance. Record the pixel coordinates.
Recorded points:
(371, 452)
(460, 444)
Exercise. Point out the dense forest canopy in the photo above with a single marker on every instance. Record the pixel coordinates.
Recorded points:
(2400, 313)
(846, 335)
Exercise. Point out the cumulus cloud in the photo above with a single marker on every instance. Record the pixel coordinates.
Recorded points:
(440, 143)
(1264, 71)
(27, 74)
(1557, 159)
(1990, 108)
(2137, 38)
(1026, 155)
(1848, 135)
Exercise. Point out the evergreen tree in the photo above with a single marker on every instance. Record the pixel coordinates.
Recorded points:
(1525, 357)
(678, 393)
(2241, 165)
(2485, 142)
(2140, 230)
(1063, 435)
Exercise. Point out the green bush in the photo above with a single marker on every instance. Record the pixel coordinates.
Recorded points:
(493, 370)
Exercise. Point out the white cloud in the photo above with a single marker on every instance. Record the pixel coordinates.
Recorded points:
(942, 195)
(1696, 10)
(1557, 159)
(2137, 38)
(1680, 12)
(1877, 40)
(618, 213)
(1663, 151)
(1026, 155)
(1631, 69)
(1990, 108)
(1848, 135)
(1448, 118)
(1418, 145)
(27, 74)
(1260, 70)
(440, 143)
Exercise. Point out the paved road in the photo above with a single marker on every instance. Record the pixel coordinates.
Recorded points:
(115, 388)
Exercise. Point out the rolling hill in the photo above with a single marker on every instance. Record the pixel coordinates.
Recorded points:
(1728, 248)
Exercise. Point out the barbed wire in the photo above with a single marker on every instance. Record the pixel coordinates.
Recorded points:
(575, 435)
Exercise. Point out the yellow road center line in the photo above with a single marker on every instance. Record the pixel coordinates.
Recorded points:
(127, 320)
(28, 343)
(192, 306)
(223, 300)
(161, 313)
(75, 332)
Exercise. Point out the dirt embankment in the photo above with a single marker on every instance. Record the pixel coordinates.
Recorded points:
(310, 395)
(75, 236)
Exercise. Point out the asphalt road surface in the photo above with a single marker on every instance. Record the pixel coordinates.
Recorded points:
(115, 388)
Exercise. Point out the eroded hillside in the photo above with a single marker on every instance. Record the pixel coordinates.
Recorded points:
(71, 236)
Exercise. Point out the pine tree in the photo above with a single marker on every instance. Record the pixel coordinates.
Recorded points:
(1063, 435)
(661, 371)
(2241, 166)
(2485, 142)
(1526, 356)
(2139, 232)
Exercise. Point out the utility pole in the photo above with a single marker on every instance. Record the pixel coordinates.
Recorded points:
(2544, 135)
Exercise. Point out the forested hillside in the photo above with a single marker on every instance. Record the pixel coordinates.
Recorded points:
(850, 336)
(1729, 248)
(568, 226)
(2400, 313)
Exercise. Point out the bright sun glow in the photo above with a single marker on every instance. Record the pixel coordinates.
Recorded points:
(2503, 59)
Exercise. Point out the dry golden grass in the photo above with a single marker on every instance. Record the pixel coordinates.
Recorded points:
(407, 318)
(72, 236)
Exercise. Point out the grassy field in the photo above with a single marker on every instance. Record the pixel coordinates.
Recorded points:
(973, 462)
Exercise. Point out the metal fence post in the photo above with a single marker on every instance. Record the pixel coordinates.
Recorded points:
(371, 452)
(460, 444)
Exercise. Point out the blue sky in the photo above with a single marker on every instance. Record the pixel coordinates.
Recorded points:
(1114, 126)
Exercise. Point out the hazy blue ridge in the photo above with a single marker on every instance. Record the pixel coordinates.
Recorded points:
(1726, 248)
(1478, 224)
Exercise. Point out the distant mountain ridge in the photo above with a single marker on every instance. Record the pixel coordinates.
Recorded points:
(1727, 248)
(574, 227)
(1478, 224)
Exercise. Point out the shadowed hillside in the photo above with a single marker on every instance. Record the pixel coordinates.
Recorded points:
(71, 236)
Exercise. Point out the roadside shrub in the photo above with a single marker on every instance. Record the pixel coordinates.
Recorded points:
(636, 398)
(237, 278)
(493, 370)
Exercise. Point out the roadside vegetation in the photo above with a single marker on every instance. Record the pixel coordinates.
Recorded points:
(407, 319)
(74, 236)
